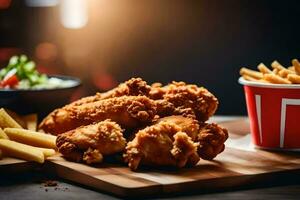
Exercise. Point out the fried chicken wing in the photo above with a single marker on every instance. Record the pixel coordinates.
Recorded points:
(211, 138)
(189, 100)
(90, 143)
(162, 144)
(128, 111)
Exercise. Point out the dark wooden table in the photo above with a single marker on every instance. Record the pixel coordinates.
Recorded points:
(31, 186)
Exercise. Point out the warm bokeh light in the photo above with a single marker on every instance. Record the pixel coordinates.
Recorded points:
(73, 13)
(103, 81)
(4, 4)
(46, 51)
(41, 3)
(6, 53)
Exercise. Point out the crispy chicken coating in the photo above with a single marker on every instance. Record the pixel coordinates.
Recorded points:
(132, 87)
(211, 138)
(84, 100)
(187, 125)
(128, 111)
(189, 100)
(162, 144)
(90, 143)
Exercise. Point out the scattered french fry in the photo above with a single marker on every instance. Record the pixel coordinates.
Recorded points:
(31, 137)
(7, 121)
(31, 121)
(3, 134)
(273, 78)
(276, 65)
(252, 73)
(294, 78)
(296, 65)
(23, 151)
(16, 117)
(47, 152)
(263, 69)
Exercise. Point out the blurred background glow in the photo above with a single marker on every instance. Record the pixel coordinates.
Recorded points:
(73, 13)
(105, 42)
(41, 3)
(4, 4)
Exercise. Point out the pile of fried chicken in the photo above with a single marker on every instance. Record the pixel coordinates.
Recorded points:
(150, 125)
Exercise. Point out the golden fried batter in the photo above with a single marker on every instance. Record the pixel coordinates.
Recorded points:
(211, 138)
(187, 125)
(162, 144)
(90, 143)
(132, 87)
(128, 111)
(173, 118)
(189, 100)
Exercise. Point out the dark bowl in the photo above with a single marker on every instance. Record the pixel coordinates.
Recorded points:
(40, 101)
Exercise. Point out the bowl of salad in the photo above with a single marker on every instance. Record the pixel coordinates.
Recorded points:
(24, 90)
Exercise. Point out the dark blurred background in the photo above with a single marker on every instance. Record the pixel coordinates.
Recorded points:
(105, 42)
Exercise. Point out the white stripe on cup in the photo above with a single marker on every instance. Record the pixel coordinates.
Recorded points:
(258, 113)
(284, 103)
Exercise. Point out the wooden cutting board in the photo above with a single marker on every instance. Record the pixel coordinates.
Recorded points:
(232, 168)
(240, 164)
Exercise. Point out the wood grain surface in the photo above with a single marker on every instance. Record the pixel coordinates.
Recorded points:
(240, 164)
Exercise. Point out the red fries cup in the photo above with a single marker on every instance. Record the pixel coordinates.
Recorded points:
(274, 114)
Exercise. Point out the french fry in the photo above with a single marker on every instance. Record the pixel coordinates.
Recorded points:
(296, 65)
(252, 73)
(249, 78)
(23, 151)
(16, 117)
(31, 121)
(275, 71)
(284, 73)
(7, 121)
(276, 65)
(273, 78)
(294, 78)
(31, 137)
(47, 152)
(3, 134)
(263, 68)
(292, 68)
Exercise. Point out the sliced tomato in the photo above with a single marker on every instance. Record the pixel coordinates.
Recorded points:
(11, 81)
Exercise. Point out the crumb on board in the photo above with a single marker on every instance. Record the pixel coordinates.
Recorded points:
(52, 183)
